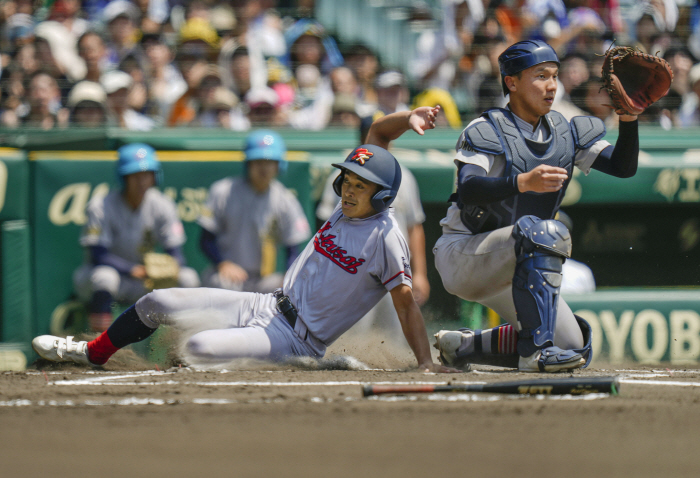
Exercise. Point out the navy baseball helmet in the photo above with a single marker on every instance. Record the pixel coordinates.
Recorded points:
(135, 158)
(376, 164)
(522, 55)
(266, 144)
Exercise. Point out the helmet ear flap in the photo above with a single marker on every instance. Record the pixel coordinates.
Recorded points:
(338, 183)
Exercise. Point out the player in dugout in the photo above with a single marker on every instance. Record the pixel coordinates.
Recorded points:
(357, 256)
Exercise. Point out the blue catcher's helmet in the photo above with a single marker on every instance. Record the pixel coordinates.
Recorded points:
(137, 157)
(522, 55)
(266, 144)
(375, 164)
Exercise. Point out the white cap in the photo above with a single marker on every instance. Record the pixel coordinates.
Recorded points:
(264, 94)
(115, 80)
(389, 79)
(119, 8)
(86, 91)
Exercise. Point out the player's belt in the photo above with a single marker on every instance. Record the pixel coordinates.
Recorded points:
(286, 308)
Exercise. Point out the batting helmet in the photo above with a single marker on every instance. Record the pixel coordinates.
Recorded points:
(375, 164)
(266, 144)
(137, 157)
(522, 55)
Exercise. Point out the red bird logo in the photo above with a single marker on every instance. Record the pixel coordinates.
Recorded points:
(361, 155)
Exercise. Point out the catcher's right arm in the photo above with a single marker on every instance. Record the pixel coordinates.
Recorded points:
(635, 80)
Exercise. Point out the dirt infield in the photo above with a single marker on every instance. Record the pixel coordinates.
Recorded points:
(309, 419)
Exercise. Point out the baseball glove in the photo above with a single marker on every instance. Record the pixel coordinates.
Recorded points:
(162, 270)
(635, 80)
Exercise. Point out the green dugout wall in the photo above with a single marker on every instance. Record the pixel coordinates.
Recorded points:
(640, 232)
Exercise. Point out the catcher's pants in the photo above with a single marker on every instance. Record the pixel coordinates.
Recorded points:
(88, 279)
(480, 268)
(224, 325)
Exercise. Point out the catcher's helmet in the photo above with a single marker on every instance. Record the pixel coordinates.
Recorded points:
(522, 55)
(137, 157)
(266, 144)
(375, 164)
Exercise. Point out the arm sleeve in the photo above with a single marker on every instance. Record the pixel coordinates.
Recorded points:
(207, 243)
(102, 257)
(474, 187)
(621, 160)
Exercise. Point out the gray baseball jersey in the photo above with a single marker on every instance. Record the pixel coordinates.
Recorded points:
(345, 270)
(129, 233)
(246, 223)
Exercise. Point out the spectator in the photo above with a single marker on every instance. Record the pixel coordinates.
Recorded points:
(92, 50)
(192, 62)
(344, 82)
(57, 55)
(165, 82)
(365, 65)
(117, 84)
(217, 109)
(121, 18)
(573, 72)
(309, 44)
(392, 92)
(121, 228)
(689, 112)
(152, 15)
(67, 13)
(87, 102)
(236, 70)
(263, 107)
(247, 218)
(45, 109)
(197, 33)
(344, 112)
(435, 96)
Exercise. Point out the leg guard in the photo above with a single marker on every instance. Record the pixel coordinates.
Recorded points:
(586, 351)
(541, 247)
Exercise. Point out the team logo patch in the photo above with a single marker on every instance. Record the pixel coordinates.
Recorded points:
(324, 244)
(361, 156)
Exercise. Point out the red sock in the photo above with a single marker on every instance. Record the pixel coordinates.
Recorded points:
(101, 349)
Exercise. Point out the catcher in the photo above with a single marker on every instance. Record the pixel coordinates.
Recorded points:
(501, 246)
(120, 234)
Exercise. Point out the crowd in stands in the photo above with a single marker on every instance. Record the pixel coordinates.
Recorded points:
(239, 64)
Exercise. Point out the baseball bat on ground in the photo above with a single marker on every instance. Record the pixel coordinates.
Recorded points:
(546, 386)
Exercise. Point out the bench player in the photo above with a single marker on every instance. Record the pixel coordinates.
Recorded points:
(356, 257)
(246, 218)
(120, 228)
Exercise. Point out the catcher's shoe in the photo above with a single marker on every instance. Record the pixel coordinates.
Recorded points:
(449, 342)
(58, 349)
(551, 359)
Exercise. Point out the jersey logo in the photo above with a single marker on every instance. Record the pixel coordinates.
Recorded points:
(361, 156)
(324, 244)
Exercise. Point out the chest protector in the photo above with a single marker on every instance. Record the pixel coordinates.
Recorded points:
(498, 135)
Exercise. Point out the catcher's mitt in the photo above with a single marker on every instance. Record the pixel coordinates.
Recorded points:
(162, 270)
(635, 80)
